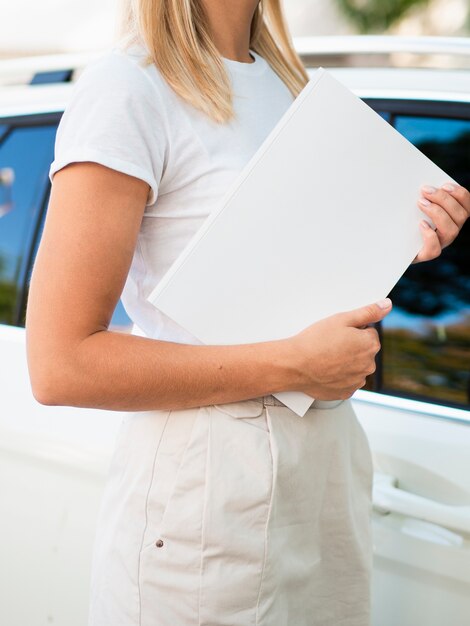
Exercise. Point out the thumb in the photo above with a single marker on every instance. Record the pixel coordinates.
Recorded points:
(368, 314)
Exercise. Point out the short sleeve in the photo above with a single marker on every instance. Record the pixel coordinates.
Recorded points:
(115, 116)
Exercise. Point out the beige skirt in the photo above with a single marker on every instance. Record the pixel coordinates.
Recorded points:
(234, 515)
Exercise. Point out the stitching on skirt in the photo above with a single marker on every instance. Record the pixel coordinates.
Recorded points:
(268, 518)
(206, 478)
(146, 512)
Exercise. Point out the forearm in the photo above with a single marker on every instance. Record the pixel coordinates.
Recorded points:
(117, 371)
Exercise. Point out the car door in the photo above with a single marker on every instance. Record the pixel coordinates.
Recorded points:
(53, 460)
(416, 409)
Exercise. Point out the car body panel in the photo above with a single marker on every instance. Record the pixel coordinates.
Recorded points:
(53, 465)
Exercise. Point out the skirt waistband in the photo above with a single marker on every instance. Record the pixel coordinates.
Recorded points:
(270, 400)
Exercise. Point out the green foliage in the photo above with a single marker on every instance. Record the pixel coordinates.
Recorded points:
(8, 297)
(376, 15)
(432, 362)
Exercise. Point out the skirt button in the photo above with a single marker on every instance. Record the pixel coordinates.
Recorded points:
(159, 543)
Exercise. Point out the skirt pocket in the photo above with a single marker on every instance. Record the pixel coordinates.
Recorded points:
(205, 542)
(236, 513)
(178, 436)
(170, 555)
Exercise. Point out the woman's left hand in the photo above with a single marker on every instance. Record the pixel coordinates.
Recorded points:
(449, 208)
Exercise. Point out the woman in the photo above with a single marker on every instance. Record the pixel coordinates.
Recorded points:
(222, 507)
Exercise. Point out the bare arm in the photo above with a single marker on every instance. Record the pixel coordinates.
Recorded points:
(89, 237)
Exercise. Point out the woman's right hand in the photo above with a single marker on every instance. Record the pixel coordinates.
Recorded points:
(334, 355)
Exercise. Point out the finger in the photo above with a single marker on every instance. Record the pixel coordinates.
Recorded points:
(350, 391)
(461, 194)
(446, 201)
(340, 393)
(367, 314)
(374, 337)
(370, 339)
(432, 246)
(446, 229)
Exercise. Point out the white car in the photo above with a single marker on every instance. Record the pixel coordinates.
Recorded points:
(415, 408)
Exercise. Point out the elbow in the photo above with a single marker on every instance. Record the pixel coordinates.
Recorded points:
(58, 373)
(51, 364)
(45, 387)
(50, 380)
(43, 396)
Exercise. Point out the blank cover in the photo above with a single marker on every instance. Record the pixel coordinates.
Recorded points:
(322, 219)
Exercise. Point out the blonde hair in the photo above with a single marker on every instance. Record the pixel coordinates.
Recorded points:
(176, 35)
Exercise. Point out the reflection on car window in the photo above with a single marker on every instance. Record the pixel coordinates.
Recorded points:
(25, 154)
(426, 337)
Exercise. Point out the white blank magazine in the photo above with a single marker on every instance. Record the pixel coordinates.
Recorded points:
(322, 219)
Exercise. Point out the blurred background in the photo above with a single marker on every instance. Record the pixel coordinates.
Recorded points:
(53, 26)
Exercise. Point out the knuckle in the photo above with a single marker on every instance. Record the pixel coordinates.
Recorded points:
(374, 341)
(373, 350)
(441, 196)
(462, 192)
(466, 199)
(370, 310)
(451, 234)
(432, 242)
(436, 246)
(429, 234)
(462, 217)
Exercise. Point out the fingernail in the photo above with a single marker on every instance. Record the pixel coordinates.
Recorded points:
(384, 304)
(449, 187)
(424, 202)
(429, 189)
(424, 224)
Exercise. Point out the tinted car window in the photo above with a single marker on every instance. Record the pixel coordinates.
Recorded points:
(426, 338)
(25, 154)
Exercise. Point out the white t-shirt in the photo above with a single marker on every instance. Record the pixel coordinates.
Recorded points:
(128, 118)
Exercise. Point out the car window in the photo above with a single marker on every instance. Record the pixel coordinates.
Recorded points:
(385, 114)
(25, 154)
(426, 337)
(120, 320)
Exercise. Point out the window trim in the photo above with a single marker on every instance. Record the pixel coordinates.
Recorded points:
(422, 108)
(415, 108)
(413, 405)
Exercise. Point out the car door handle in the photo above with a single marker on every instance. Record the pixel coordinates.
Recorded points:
(389, 498)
